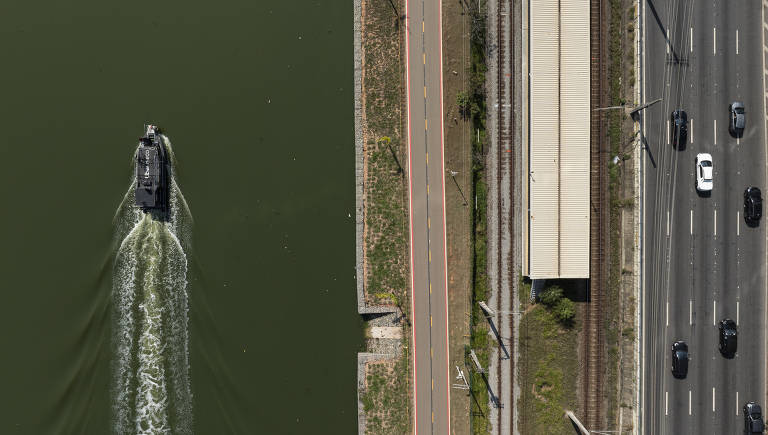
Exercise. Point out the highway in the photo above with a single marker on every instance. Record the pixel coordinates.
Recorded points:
(426, 179)
(701, 262)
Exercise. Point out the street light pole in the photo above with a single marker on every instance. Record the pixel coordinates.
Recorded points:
(453, 175)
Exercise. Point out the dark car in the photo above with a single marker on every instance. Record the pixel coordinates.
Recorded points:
(738, 118)
(753, 418)
(753, 204)
(679, 127)
(679, 359)
(728, 338)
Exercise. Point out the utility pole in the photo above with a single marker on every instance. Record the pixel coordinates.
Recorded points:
(488, 311)
(476, 361)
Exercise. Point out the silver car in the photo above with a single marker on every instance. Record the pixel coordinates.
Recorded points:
(738, 118)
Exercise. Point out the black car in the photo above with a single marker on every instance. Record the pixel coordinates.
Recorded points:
(728, 338)
(753, 418)
(679, 359)
(753, 204)
(679, 127)
(738, 118)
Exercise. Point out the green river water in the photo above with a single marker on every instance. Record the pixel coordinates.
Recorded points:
(239, 315)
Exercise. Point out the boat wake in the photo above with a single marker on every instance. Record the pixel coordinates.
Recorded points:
(151, 389)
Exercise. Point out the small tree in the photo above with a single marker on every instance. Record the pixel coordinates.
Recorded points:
(565, 310)
(462, 100)
(551, 296)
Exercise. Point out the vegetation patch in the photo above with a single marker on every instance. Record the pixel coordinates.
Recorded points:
(548, 362)
(385, 398)
(473, 105)
(386, 217)
(620, 72)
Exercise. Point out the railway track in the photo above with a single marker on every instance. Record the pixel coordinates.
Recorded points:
(504, 179)
(593, 319)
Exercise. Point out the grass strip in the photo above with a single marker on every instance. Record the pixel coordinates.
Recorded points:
(386, 222)
(479, 406)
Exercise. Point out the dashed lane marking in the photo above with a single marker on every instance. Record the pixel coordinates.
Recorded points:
(691, 222)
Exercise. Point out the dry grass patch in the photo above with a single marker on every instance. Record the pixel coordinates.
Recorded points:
(386, 223)
(385, 399)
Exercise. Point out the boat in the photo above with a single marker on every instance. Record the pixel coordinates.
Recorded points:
(152, 173)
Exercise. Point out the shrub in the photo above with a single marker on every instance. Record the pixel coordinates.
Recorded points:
(551, 296)
(565, 310)
(462, 100)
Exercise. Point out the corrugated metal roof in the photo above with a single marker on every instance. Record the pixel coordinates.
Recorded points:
(559, 139)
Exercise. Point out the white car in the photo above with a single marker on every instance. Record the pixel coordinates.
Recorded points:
(703, 172)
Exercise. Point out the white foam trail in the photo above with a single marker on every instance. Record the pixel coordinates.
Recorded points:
(152, 392)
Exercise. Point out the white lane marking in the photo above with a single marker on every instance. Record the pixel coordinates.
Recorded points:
(714, 40)
(714, 312)
(667, 313)
(715, 222)
(690, 311)
(715, 131)
(689, 402)
(666, 403)
(691, 222)
(713, 399)
(667, 132)
(737, 403)
(737, 313)
(691, 39)
(737, 223)
(691, 130)
(667, 222)
(667, 40)
(737, 41)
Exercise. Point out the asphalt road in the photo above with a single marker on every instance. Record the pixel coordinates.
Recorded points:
(427, 205)
(701, 262)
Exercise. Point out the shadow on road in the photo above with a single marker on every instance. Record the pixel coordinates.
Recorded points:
(647, 149)
(663, 32)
